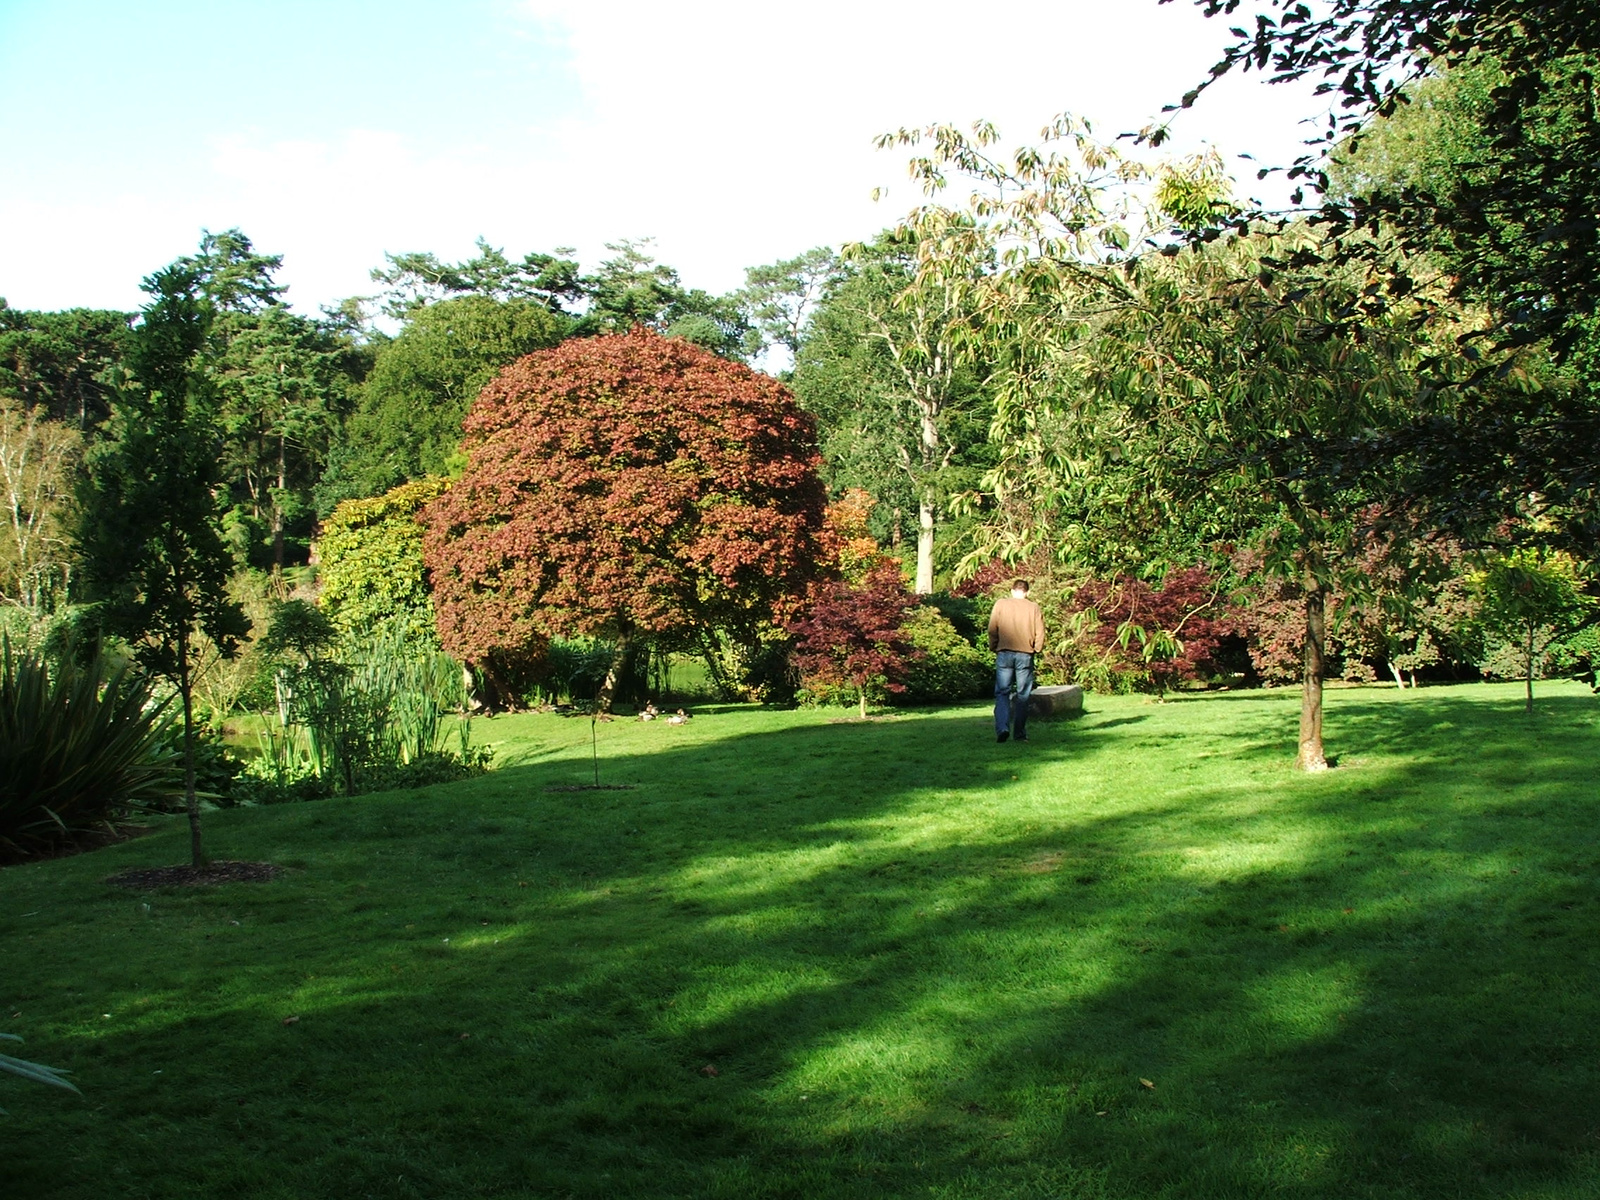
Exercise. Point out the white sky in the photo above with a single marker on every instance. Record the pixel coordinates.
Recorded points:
(734, 133)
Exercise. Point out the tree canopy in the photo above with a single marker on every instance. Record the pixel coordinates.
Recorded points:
(415, 280)
(407, 421)
(1153, 408)
(1518, 212)
(625, 485)
(781, 298)
(58, 362)
(632, 289)
(901, 413)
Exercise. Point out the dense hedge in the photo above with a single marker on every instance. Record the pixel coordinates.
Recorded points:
(370, 555)
(951, 667)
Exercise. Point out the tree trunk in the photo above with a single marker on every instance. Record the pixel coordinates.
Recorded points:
(277, 511)
(1399, 679)
(498, 694)
(929, 405)
(862, 694)
(924, 546)
(1311, 757)
(711, 653)
(1530, 666)
(191, 801)
(608, 687)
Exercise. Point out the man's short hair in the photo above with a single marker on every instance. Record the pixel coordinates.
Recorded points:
(1019, 585)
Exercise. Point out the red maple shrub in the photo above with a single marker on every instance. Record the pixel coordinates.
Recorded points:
(1413, 611)
(852, 635)
(1131, 633)
(625, 486)
(989, 577)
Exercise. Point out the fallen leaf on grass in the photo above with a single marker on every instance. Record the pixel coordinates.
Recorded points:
(290, 1020)
(1148, 1084)
(709, 1070)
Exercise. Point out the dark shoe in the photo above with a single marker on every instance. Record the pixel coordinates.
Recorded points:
(1001, 736)
(1022, 737)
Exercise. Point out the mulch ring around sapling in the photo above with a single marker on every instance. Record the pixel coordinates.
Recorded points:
(146, 878)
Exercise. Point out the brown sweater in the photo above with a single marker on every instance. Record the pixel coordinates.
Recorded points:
(1016, 625)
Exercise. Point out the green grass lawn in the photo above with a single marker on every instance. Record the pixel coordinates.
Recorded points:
(1136, 957)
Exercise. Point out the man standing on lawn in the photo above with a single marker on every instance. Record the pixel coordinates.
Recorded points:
(1016, 634)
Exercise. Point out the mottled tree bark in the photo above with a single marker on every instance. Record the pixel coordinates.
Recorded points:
(619, 659)
(1311, 757)
(925, 515)
(277, 506)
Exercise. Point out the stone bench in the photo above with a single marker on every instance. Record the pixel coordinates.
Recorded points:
(1057, 699)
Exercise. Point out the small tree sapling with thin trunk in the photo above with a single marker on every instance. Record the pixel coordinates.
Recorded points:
(150, 537)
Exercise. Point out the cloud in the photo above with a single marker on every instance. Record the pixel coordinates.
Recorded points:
(744, 132)
(735, 133)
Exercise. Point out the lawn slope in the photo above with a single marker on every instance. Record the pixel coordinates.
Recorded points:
(1136, 957)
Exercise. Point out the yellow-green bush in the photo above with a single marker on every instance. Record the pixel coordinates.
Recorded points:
(370, 555)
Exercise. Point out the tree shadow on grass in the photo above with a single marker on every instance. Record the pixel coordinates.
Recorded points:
(912, 972)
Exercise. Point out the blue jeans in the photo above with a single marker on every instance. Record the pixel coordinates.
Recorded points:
(1012, 669)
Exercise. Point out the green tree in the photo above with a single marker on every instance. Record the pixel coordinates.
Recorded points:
(58, 362)
(1517, 215)
(232, 276)
(1423, 144)
(1496, 176)
(1529, 590)
(632, 289)
(901, 414)
(416, 280)
(373, 581)
(39, 463)
(154, 559)
(282, 384)
(1530, 453)
(1152, 405)
(282, 381)
(780, 299)
(1217, 397)
(407, 419)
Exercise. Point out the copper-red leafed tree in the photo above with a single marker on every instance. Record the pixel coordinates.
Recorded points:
(851, 633)
(625, 486)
